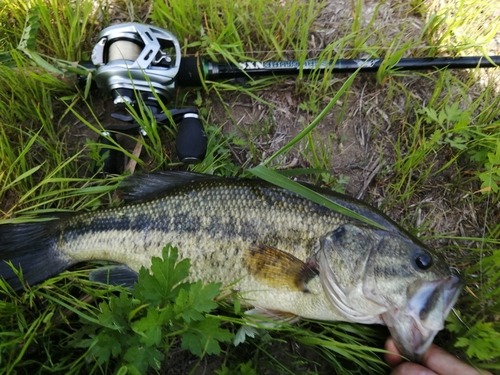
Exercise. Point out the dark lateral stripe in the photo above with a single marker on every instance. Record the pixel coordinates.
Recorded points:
(182, 222)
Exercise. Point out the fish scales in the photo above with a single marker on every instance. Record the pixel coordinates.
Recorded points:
(210, 224)
(286, 256)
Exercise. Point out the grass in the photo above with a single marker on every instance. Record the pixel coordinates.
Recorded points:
(430, 157)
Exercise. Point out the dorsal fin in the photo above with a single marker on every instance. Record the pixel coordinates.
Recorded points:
(144, 187)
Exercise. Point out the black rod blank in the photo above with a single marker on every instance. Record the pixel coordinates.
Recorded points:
(193, 69)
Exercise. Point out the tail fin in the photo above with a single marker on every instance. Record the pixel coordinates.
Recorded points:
(30, 247)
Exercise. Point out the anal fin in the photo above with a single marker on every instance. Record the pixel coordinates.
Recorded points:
(270, 318)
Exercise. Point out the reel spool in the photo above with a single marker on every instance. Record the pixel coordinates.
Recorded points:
(133, 60)
(137, 57)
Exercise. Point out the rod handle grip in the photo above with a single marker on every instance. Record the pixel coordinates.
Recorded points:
(191, 139)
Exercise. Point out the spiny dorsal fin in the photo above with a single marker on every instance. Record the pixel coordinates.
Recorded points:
(144, 187)
(278, 269)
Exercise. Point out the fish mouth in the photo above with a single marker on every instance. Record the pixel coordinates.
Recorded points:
(429, 303)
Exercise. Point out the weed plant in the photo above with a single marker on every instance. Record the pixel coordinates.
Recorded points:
(70, 325)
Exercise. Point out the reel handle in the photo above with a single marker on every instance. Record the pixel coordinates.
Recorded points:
(191, 142)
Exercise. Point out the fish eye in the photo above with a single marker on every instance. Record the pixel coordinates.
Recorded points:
(423, 260)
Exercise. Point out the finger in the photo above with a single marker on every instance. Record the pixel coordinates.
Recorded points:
(436, 359)
(393, 358)
(445, 363)
(409, 368)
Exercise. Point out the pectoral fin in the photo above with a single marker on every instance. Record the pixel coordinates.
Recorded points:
(278, 268)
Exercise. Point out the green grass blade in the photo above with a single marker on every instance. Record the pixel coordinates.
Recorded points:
(347, 84)
(70, 308)
(275, 178)
(23, 176)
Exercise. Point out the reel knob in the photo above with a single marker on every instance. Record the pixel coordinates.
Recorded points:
(191, 139)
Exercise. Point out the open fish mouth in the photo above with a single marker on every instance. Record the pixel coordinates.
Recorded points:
(372, 276)
(429, 303)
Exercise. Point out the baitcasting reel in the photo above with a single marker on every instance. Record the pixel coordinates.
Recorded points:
(134, 62)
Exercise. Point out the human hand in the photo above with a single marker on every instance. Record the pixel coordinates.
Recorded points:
(435, 361)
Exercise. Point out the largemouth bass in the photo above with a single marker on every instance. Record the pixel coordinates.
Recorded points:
(287, 256)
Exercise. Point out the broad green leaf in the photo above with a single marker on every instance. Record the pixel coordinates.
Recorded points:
(166, 271)
(196, 300)
(242, 334)
(142, 356)
(204, 337)
(150, 326)
(157, 288)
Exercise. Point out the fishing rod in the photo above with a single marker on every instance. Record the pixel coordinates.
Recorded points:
(191, 67)
(136, 61)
